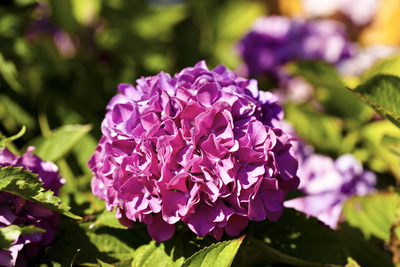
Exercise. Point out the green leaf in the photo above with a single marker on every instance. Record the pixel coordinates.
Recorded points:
(8, 234)
(392, 142)
(221, 254)
(389, 66)
(270, 255)
(320, 130)
(294, 240)
(372, 214)
(103, 264)
(330, 90)
(5, 140)
(154, 254)
(60, 142)
(382, 92)
(10, 74)
(380, 158)
(114, 246)
(107, 218)
(26, 185)
(367, 229)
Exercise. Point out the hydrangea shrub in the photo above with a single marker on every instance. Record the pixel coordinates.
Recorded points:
(202, 147)
(15, 210)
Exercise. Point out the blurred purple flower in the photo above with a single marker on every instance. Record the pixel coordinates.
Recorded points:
(203, 147)
(275, 40)
(18, 211)
(328, 183)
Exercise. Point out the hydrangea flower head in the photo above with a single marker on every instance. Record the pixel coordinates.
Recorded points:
(18, 211)
(203, 147)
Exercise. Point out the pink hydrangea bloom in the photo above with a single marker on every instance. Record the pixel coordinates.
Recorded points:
(18, 211)
(203, 147)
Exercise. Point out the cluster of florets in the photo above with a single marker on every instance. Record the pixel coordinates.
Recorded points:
(203, 147)
(274, 41)
(18, 211)
(328, 183)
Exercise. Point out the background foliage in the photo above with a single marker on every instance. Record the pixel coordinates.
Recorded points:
(59, 93)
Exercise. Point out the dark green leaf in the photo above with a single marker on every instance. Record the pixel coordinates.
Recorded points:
(26, 185)
(295, 240)
(221, 254)
(60, 142)
(382, 92)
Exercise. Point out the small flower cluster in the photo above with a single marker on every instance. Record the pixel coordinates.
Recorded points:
(328, 183)
(18, 211)
(276, 40)
(203, 147)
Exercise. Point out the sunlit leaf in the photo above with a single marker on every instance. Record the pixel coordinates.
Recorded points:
(382, 92)
(221, 254)
(389, 66)
(107, 218)
(60, 142)
(154, 254)
(372, 214)
(26, 185)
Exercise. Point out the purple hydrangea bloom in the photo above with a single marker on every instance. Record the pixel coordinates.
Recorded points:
(18, 211)
(329, 184)
(276, 40)
(203, 147)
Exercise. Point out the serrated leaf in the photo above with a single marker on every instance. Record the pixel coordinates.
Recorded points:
(8, 234)
(26, 185)
(60, 142)
(103, 264)
(5, 140)
(382, 92)
(154, 254)
(221, 254)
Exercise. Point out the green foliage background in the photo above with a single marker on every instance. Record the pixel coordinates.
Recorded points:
(60, 97)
